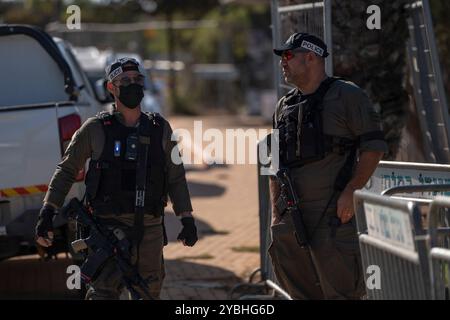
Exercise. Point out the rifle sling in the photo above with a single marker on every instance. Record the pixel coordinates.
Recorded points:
(141, 179)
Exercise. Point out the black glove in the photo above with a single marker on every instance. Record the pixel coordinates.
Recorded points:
(45, 221)
(189, 231)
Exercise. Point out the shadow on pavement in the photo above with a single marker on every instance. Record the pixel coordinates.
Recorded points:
(189, 280)
(201, 189)
(32, 278)
(173, 227)
(194, 168)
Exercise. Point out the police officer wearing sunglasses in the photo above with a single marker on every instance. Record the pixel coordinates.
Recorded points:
(330, 142)
(115, 142)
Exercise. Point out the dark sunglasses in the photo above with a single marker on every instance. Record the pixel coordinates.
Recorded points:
(290, 54)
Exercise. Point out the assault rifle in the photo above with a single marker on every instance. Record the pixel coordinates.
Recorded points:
(104, 244)
(288, 202)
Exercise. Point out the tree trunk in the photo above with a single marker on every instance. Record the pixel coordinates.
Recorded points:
(375, 59)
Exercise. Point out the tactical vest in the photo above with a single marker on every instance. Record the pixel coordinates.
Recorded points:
(305, 143)
(111, 180)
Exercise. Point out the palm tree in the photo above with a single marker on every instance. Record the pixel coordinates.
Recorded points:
(375, 59)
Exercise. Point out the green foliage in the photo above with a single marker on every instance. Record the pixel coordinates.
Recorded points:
(233, 20)
(228, 42)
(30, 12)
(233, 23)
(156, 45)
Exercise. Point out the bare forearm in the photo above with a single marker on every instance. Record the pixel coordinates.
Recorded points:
(274, 189)
(274, 194)
(368, 162)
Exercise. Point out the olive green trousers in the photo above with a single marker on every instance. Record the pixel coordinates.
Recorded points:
(108, 283)
(330, 268)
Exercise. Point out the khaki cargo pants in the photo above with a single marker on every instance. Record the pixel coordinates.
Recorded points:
(108, 286)
(329, 269)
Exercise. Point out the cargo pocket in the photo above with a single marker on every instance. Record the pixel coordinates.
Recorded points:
(346, 239)
(282, 232)
(278, 231)
(347, 246)
(292, 265)
(283, 242)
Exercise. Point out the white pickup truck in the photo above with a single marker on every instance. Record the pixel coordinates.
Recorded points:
(45, 97)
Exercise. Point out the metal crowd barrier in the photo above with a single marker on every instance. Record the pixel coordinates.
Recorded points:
(439, 234)
(440, 262)
(267, 287)
(392, 239)
(417, 188)
(265, 219)
(421, 184)
(405, 266)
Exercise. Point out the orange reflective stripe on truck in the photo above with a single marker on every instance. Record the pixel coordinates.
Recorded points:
(21, 191)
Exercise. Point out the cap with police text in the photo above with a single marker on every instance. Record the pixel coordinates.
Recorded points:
(121, 65)
(304, 41)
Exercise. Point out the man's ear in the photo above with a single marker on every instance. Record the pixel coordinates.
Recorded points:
(310, 57)
(110, 87)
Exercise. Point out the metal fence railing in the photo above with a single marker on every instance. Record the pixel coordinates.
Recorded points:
(390, 174)
(268, 285)
(413, 257)
(427, 85)
(440, 263)
(265, 216)
(300, 16)
(439, 235)
(392, 240)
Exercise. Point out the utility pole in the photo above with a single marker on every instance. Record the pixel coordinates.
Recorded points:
(171, 47)
(224, 94)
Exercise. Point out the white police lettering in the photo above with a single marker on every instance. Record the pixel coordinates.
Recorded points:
(74, 20)
(311, 46)
(115, 73)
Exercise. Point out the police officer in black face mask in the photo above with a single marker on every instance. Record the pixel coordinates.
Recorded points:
(115, 143)
(126, 82)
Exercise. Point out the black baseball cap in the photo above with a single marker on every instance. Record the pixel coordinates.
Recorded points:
(305, 41)
(121, 65)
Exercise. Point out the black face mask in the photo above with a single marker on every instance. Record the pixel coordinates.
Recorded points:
(131, 95)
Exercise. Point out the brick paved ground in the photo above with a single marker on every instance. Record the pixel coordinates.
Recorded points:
(225, 202)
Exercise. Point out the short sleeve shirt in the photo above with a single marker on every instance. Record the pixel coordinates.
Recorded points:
(348, 113)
